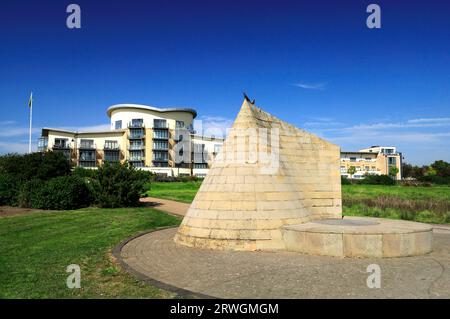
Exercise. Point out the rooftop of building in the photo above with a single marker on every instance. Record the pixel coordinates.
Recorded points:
(150, 108)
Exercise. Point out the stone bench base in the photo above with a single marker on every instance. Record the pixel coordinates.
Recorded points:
(359, 237)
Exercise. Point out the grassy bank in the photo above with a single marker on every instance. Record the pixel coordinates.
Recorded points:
(36, 249)
(179, 191)
(424, 204)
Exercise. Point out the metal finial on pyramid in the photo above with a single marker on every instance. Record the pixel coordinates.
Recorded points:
(248, 99)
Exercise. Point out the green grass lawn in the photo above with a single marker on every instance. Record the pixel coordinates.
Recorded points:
(404, 192)
(36, 248)
(424, 204)
(179, 191)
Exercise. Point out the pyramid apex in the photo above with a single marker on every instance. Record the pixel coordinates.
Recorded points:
(247, 99)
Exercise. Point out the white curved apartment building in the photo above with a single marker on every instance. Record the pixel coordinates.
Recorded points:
(158, 139)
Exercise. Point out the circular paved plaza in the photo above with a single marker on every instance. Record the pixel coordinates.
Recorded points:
(232, 274)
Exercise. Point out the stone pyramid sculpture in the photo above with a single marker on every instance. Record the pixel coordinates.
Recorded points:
(268, 174)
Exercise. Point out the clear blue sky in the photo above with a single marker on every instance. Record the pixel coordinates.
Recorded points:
(312, 63)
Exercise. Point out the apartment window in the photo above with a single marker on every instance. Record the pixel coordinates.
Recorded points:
(368, 159)
(42, 144)
(118, 125)
(179, 124)
(111, 145)
(136, 155)
(111, 156)
(61, 143)
(86, 143)
(199, 152)
(136, 145)
(367, 168)
(87, 156)
(158, 123)
(392, 161)
(137, 123)
(161, 134)
(217, 148)
(160, 156)
(352, 159)
(160, 145)
(137, 133)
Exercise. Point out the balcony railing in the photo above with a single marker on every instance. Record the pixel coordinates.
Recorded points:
(136, 158)
(136, 125)
(160, 136)
(136, 136)
(136, 147)
(61, 146)
(160, 125)
(111, 147)
(87, 146)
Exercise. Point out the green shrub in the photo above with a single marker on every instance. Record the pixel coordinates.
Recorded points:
(84, 172)
(9, 189)
(28, 191)
(378, 180)
(64, 192)
(42, 166)
(118, 185)
(345, 181)
(435, 179)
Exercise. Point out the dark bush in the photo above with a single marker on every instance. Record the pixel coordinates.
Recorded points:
(42, 166)
(9, 189)
(84, 172)
(28, 191)
(118, 185)
(378, 180)
(64, 192)
(345, 181)
(435, 179)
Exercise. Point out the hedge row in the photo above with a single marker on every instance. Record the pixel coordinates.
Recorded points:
(46, 182)
(370, 180)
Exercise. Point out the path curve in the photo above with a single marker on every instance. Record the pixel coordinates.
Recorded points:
(166, 205)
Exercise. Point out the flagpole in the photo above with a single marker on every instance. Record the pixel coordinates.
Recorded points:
(31, 119)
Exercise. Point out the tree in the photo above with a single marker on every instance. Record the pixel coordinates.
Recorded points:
(407, 170)
(441, 168)
(393, 171)
(351, 170)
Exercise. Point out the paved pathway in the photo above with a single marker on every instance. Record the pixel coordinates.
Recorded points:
(232, 274)
(169, 206)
